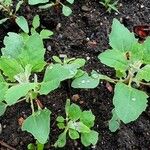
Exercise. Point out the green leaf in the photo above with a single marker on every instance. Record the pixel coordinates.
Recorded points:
(80, 62)
(144, 74)
(45, 34)
(89, 138)
(18, 5)
(59, 72)
(39, 145)
(85, 81)
(87, 118)
(61, 125)
(115, 59)
(129, 102)
(73, 134)
(57, 59)
(13, 45)
(2, 108)
(36, 22)
(60, 119)
(3, 20)
(35, 2)
(61, 142)
(49, 86)
(22, 23)
(121, 38)
(33, 53)
(38, 124)
(146, 51)
(10, 67)
(3, 89)
(114, 123)
(66, 10)
(70, 1)
(74, 112)
(17, 91)
(79, 126)
(54, 74)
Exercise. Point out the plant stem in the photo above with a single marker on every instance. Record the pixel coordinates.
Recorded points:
(32, 105)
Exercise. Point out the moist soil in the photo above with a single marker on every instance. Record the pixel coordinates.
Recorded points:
(83, 34)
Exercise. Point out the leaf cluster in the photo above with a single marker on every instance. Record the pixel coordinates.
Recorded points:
(66, 10)
(7, 7)
(110, 5)
(77, 124)
(22, 58)
(130, 59)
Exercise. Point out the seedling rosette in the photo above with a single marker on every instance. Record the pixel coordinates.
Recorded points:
(21, 61)
(130, 59)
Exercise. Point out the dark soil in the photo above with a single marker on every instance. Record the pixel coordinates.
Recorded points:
(83, 34)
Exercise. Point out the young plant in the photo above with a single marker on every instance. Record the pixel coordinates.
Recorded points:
(65, 9)
(130, 59)
(77, 124)
(22, 58)
(36, 146)
(6, 6)
(110, 5)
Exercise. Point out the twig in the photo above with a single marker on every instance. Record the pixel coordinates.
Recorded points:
(6, 145)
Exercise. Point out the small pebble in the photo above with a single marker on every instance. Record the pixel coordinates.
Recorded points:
(88, 58)
(85, 8)
(142, 6)
(49, 48)
(62, 55)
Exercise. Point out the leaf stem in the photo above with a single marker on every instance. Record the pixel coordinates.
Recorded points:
(32, 105)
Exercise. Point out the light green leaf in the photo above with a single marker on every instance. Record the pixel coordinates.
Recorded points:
(13, 45)
(17, 91)
(3, 89)
(114, 123)
(3, 20)
(22, 23)
(115, 59)
(33, 53)
(87, 118)
(73, 134)
(79, 126)
(70, 1)
(59, 72)
(60, 119)
(36, 22)
(54, 75)
(144, 74)
(74, 112)
(121, 38)
(129, 102)
(38, 124)
(49, 86)
(34, 2)
(10, 67)
(57, 59)
(61, 125)
(2, 108)
(66, 10)
(85, 81)
(61, 142)
(89, 138)
(19, 5)
(80, 62)
(146, 51)
(45, 34)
